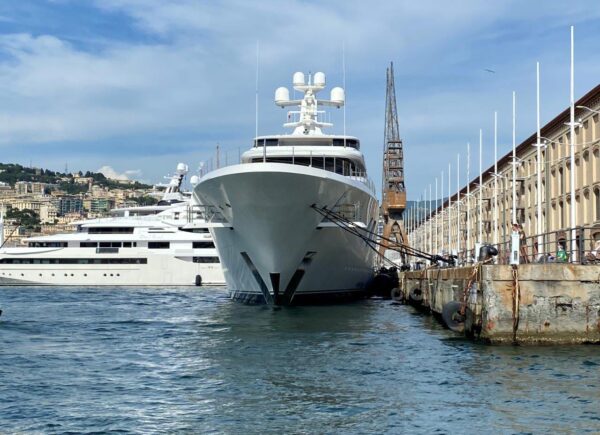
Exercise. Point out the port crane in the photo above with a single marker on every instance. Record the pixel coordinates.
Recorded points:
(393, 189)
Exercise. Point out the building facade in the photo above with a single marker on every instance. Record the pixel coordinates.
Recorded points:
(68, 204)
(486, 213)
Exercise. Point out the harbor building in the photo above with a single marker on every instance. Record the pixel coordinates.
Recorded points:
(484, 214)
(68, 204)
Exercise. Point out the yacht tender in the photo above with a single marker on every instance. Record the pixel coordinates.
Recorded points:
(166, 244)
(274, 246)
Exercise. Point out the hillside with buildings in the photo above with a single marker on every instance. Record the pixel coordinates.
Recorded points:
(41, 201)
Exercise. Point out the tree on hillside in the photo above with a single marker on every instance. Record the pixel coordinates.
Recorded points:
(27, 218)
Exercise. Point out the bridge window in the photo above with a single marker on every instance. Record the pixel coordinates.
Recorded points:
(353, 143)
(203, 245)
(206, 259)
(48, 244)
(110, 244)
(159, 245)
(110, 230)
(266, 142)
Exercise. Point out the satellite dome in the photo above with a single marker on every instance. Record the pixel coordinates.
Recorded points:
(298, 79)
(338, 96)
(282, 95)
(319, 79)
(194, 180)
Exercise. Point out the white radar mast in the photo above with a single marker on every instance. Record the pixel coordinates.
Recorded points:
(308, 123)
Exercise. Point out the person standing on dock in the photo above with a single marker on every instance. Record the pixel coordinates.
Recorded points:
(594, 255)
(561, 254)
(522, 242)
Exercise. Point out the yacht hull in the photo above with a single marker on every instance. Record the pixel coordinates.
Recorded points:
(158, 270)
(275, 247)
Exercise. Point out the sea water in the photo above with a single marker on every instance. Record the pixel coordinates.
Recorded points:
(189, 360)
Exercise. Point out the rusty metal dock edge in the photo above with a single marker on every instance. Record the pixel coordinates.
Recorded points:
(555, 304)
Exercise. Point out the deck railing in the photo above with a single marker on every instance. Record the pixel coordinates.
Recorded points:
(556, 248)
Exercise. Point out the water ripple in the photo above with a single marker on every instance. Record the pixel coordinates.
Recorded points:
(97, 360)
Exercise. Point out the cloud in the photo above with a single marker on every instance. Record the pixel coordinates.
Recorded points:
(178, 77)
(109, 172)
(200, 77)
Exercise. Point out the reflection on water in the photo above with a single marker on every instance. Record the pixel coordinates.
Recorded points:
(191, 360)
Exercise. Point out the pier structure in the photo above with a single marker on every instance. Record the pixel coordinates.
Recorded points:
(525, 235)
(503, 304)
(539, 206)
(485, 210)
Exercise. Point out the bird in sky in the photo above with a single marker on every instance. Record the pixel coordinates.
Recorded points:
(489, 70)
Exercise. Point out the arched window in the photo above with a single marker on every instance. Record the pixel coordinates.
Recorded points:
(561, 216)
(561, 181)
(597, 202)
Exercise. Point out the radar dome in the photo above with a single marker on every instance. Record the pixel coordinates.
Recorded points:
(182, 167)
(319, 79)
(282, 95)
(194, 180)
(338, 96)
(298, 79)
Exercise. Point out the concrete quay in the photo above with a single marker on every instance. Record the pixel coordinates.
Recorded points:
(502, 304)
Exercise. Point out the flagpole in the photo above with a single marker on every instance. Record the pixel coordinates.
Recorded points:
(496, 179)
(480, 187)
(514, 160)
(573, 222)
(458, 204)
(468, 247)
(540, 237)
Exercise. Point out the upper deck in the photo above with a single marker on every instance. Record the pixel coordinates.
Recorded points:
(307, 145)
(313, 141)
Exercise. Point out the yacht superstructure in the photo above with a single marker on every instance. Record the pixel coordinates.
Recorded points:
(166, 244)
(273, 245)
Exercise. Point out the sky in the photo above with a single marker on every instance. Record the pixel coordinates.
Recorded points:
(136, 86)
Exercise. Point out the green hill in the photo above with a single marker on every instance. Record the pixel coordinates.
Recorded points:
(11, 173)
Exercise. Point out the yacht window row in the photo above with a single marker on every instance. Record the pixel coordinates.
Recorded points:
(336, 142)
(151, 245)
(110, 230)
(48, 244)
(74, 261)
(66, 274)
(339, 165)
(196, 230)
(205, 259)
(159, 245)
(107, 244)
(203, 245)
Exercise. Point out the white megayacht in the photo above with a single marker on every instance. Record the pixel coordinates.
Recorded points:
(273, 244)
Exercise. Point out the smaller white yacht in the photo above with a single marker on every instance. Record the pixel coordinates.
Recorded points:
(165, 244)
